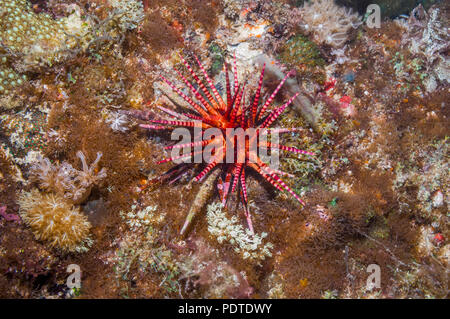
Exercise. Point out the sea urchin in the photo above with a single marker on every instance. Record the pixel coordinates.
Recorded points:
(211, 112)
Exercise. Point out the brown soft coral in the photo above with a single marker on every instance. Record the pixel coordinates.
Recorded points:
(54, 220)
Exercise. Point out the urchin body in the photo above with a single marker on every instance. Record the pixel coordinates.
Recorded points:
(211, 111)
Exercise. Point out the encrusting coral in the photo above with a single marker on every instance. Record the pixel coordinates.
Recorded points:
(9, 79)
(54, 220)
(130, 13)
(39, 38)
(329, 23)
(229, 230)
(67, 181)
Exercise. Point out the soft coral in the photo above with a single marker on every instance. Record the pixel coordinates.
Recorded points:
(328, 22)
(75, 185)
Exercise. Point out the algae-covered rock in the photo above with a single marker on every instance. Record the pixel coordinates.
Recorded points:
(304, 55)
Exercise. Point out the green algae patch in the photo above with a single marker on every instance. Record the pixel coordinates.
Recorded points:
(305, 56)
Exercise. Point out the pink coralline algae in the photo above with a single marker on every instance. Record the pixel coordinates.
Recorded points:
(8, 217)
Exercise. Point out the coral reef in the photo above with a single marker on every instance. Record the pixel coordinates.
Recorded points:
(54, 220)
(80, 183)
(191, 266)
